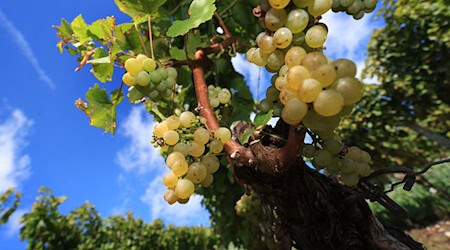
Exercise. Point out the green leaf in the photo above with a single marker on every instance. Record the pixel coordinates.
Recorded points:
(139, 10)
(200, 11)
(134, 95)
(100, 109)
(80, 29)
(64, 30)
(102, 69)
(177, 53)
(246, 135)
(102, 29)
(261, 119)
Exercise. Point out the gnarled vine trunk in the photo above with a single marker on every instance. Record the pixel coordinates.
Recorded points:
(312, 210)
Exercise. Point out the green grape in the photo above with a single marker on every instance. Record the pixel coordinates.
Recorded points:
(170, 82)
(283, 70)
(309, 90)
(164, 73)
(275, 19)
(184, 189)
(160, 129)
(259, 58)
(265, 105)
(272, 94)
(133, 66)
(223, 134)
(278, 4)
(266, 44)
(155, 77)
(201, 135)
(297, 20)
(302, 3)
(332, 146)
(209, 179)
(325, 74)
(320, 123)
(298, 39)
(142, 78)
(344, 67)
(347, 166)
(249, 55)
(179, 168)
(316, 36)
(224, 96)
(350, 179)
(196, 149)
(350, 88)
(358, 15)
(183, 201)
(182, 148)
(162, 86)
(174, 157)
(171, 137)
(321, 158)
(211, 162)
(154, 95)
(365, 157)
(187, 118)
(328, 103)
(216, 146)
(294, 56)
(170, 196)
(286, 95)
(354, 153)
(280, 83)
(366, 170)
(128, 79)
(356, 7)
(336, 4)
(149, 65)
(346, 3)
(282, 38)
(277, 109)
(295, 77)
(196, 172)
(141, 57)
(319, 7)
(259, 37)
(214, 102)
(275, 60)
(370, 4)
(294, 111)
(327, 135)
(313, 60)
(308, 150)
(170, 180)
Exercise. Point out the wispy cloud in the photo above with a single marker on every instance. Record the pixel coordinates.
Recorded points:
(257, 78)
(14, 165)
(190, 214)
(22, 43)
(125, 193)
(139, 155)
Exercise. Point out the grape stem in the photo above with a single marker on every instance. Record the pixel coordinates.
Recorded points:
(85, 59)
(284, 156)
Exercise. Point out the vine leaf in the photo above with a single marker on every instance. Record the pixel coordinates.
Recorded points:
(261, 119)
(139, 10)
(200, 11)
(100, 109)
(80, 29)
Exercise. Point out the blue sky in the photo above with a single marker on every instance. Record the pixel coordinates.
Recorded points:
(46, 141)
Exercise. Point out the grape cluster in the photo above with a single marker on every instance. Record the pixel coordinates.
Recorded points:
(351, 163)
(355, 8)
(187, 141)
(307, 86)
(218, 96)
(143, 71)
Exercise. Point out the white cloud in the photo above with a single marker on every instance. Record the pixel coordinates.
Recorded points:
(14, 165)
(13, 225)
(125, 193)
(20, 41)
(139, 155)
(257, 78)
(348, 38)
(190, 214)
